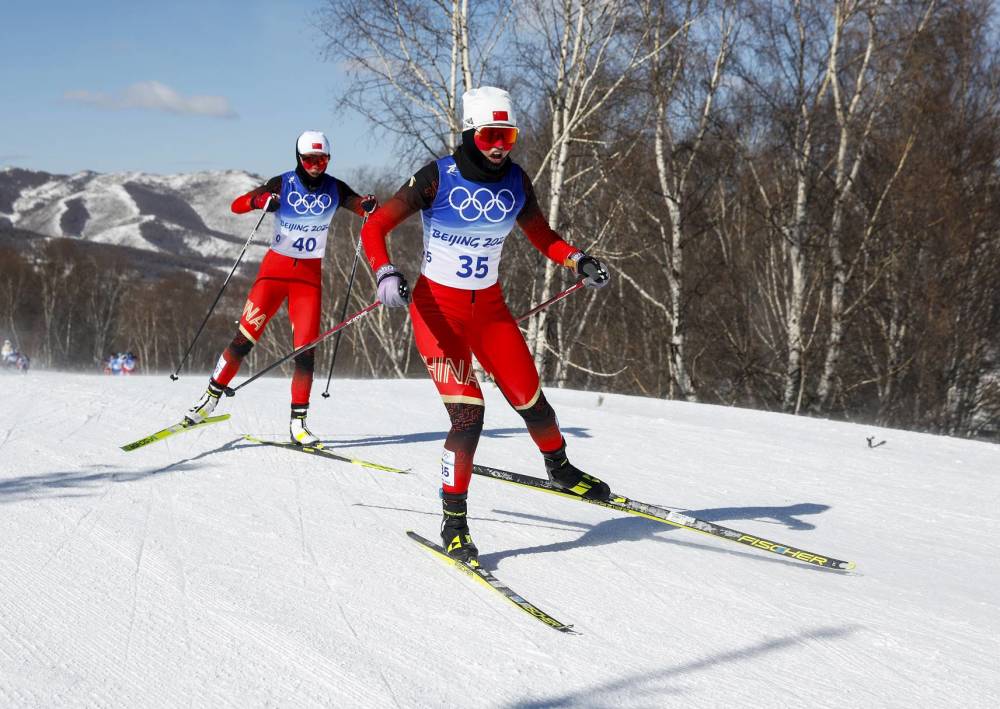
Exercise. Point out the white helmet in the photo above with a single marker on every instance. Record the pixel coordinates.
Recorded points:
(487, 106)
(312, 141)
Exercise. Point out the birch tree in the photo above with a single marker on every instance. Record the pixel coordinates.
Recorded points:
(861, 86)
(683, 90)
(578, 57)
(410, 61)
(787, 69)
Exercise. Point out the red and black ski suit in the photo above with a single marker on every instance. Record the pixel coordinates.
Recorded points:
(291, 269)
(457, 307)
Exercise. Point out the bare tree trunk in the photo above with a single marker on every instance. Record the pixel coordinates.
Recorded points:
(581, 58)
(854, 134)
(674, 166)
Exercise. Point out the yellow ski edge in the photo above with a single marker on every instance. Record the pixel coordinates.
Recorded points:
(330, 454)
(482, 575)
(170, 431)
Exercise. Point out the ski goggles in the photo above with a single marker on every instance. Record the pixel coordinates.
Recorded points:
(315, 160)
(502, 137)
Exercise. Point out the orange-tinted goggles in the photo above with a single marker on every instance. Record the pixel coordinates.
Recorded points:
(315, 160)
(502, 137)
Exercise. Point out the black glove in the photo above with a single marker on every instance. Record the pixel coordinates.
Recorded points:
(369, 203)
(594, 271)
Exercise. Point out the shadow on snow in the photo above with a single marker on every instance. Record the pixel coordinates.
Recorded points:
(633, 529)
(653, 685)
(14, 489)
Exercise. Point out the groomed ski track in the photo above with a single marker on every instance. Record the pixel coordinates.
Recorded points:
(204, 571)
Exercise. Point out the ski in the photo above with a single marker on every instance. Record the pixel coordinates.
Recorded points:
(671, 517)
(492, 582)
(171, 430)
(322, 452)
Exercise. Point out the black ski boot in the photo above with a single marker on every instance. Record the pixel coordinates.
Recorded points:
(571, 479)
(455, 535)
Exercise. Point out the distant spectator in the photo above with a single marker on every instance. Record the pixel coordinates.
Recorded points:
(129, 363)
(10, 358)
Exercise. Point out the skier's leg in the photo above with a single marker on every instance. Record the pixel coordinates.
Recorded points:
(263, 301)
(500, 347)
(304, 305)
(439, 319)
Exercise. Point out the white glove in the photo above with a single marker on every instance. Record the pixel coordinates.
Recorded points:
(392, 288)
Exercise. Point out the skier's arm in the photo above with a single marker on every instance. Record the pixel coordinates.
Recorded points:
(352, 201)
(542, 236)
(418, 193)
(249, 201)
(536, 227)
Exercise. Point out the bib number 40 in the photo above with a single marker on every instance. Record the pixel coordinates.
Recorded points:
(466, 270)
(304, 244)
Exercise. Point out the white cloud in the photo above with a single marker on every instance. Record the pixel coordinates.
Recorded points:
(154, 96)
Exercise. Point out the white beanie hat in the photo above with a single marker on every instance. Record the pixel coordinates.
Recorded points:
(312, 141)
(487, 106)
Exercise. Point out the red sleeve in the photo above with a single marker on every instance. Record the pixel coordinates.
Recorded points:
(243, 203)
(377, 228)
(418, 193)
(537, 229)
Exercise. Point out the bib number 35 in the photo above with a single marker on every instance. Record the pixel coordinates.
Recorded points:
(467, 269)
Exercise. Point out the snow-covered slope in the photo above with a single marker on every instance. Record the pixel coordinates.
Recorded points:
(203, 571)
(183, 215)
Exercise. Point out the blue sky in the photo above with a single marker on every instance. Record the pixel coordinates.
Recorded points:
(168, 87)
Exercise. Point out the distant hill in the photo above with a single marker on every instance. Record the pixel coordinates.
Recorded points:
(165, 220)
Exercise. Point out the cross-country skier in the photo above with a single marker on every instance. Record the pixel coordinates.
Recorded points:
(470, 201)
(304, 200)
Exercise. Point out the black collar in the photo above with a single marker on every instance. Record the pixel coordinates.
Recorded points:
(311, 183)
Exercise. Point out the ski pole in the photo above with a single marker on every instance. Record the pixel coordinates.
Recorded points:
(231, 391)
(343, 311)
(174, 376)
(554, 299)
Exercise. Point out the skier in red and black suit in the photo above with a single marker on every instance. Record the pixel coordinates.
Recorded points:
(470, 202)
(304, 201)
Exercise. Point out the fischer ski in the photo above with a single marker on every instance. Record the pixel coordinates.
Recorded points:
(668, 516)
(322, 452)
(492, 582)
(171, 430)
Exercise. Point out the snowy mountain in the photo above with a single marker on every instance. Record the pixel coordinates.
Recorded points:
(185, 216)
(208, 571)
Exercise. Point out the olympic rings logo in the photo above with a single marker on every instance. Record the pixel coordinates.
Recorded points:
(481, 204)
(309, 203)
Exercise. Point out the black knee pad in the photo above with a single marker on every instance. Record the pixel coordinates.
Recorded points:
(539, 412)
(466, 418)
(305, 361)
(466, 425)
(241, 345)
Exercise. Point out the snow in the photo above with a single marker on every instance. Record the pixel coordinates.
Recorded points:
(203, 571)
